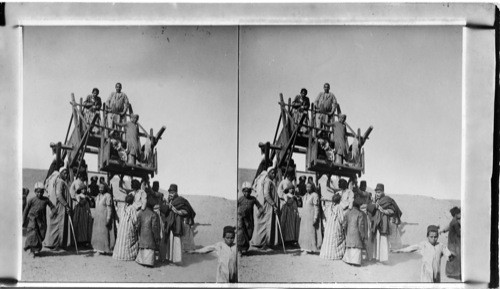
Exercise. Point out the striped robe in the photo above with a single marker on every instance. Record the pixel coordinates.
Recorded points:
(127, 245)
(333, 246)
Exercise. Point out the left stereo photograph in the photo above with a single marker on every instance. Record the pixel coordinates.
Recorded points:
(129, 154)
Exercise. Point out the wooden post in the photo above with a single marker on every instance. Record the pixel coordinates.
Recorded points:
(290, 120)
(80, 108)
(283, 113)
(58, 155)
(75, 114)
(67, 132)
(313, 120)
(105, 120)
(266, 152)
(366, 134)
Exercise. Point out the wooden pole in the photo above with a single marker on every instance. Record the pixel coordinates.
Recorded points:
(279, 229)
(67, 132)
(366, 134)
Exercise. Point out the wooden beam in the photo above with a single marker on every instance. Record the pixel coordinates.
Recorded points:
(83, 141)
(366, 134)
(64, 147)
(75, 114)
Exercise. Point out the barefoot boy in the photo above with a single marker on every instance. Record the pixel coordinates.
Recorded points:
(226, 251)
(35, 220)
(431, 252)
(245, 217)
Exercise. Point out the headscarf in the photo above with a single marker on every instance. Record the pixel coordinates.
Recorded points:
(39, 186)
(246, 186)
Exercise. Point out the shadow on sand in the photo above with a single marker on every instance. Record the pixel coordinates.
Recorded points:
(275, 250)
(190, 259)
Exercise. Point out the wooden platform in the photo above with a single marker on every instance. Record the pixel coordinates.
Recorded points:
(121, 168)
(327, 167)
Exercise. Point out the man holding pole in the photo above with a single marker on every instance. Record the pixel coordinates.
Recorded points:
(58, 222)
(266, 232)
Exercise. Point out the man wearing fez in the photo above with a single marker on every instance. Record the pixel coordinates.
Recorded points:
(179, 219)
(383, 208)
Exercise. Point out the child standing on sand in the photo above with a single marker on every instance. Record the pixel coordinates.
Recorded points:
(431, 252)
(35, 220)
(226, 251)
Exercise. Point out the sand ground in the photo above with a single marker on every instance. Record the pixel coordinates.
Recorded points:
(418, 213)
(213, 214)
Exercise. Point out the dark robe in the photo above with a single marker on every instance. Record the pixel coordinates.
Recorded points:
(35, 220)
(453, 268)
(173, 221)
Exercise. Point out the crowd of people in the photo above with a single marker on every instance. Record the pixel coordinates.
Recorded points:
(344, 223)
(145, 227)
(339, 221)
(148, 228)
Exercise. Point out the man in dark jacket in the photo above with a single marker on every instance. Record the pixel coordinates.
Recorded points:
(179, 219)
(148, 226)
(354, 226)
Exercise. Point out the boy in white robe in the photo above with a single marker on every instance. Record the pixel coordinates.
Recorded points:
(226, 251)
(431, 252)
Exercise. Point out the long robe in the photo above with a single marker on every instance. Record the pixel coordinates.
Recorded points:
(340, 138)
(82, 218)
(82, 221)
(127, 241)
(290, 219)
(177, 231)
(453, 267)
(430, 271)
(381, 226)
(58, 226)
(265, 232)
(226, 266)
(310, 237)
(132, 138)
(103, 235)
(333, 246)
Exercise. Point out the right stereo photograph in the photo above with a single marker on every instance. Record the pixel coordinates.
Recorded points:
(349, 160)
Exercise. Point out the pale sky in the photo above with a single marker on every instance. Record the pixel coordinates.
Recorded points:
(182, 77)
(405, 81)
